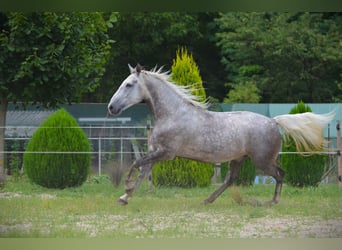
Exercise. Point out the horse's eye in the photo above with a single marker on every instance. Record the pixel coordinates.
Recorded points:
(128, 85)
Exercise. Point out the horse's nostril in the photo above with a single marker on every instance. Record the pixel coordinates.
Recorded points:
(110, 107)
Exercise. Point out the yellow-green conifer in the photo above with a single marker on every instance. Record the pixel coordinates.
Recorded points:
(185, 72)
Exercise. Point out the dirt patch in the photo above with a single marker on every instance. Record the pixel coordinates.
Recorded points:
(204, 225)
(10, 195)
(292, 227)
(183, 224)
(22, 228)
(19, 195)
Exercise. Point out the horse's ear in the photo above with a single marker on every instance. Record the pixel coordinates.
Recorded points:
(138, 69)
(131, 69)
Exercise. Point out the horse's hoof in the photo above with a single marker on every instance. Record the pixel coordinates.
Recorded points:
(122, 202)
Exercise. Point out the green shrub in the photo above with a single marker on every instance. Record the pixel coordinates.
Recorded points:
(185, 72)
(182, 172)
(58, 133)
(301, 170)
(247, 173)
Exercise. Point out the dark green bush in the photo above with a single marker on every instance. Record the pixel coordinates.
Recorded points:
(58, 133)
(301, 170)
(182, 172)
(247, 173)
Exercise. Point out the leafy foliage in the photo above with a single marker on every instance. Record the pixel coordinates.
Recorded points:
(58, 133)
(243, 93)
(289, 56)
(247, 173)
(165, 32)
(301, 170)
(182, 172)
(51, 58)
(185, 72)
(294, 56)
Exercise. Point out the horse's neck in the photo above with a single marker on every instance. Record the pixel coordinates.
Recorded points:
(163, 100)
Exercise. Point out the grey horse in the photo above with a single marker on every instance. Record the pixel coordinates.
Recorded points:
(185, 128)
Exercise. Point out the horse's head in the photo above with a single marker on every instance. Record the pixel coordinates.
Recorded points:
(130, 92)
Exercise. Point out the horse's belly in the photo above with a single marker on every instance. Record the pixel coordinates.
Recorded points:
(211, 154)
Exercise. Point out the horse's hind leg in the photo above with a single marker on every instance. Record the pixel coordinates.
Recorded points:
(278, 174)
(234, 169)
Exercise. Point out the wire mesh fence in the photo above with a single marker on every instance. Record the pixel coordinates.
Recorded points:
(113, 148)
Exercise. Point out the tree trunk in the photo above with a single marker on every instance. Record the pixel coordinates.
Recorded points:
(3, 110)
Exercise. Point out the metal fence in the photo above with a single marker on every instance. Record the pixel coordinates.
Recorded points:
(113, 148)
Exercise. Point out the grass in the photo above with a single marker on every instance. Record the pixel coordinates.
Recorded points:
(28, 210)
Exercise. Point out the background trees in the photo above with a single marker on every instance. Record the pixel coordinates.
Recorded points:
(290, 56)
(287, 56)
(152, 39)
(50, 58)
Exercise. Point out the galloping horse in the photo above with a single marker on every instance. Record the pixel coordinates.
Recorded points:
(184, 128)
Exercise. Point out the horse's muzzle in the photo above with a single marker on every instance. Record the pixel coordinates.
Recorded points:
(114, 109)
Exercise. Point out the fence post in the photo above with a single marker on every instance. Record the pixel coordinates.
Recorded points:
(148, 127)
(339, 157)
(99, 152)
(121, 150)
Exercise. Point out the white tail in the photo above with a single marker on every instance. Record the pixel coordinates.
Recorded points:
(306, 129)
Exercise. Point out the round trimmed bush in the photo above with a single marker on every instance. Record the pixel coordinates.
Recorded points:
(58, 133)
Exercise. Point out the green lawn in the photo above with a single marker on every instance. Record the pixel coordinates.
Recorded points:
(28, 210)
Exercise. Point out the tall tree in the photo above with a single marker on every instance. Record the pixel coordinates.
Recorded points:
(247, 92)
(152, 38)
(294, 56)
(185, 72)
(49, 58)
(148, 38)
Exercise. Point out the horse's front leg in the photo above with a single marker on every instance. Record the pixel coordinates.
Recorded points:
(131, 186)
(146, 163)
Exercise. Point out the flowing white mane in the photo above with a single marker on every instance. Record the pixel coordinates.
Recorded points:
(183, 91)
